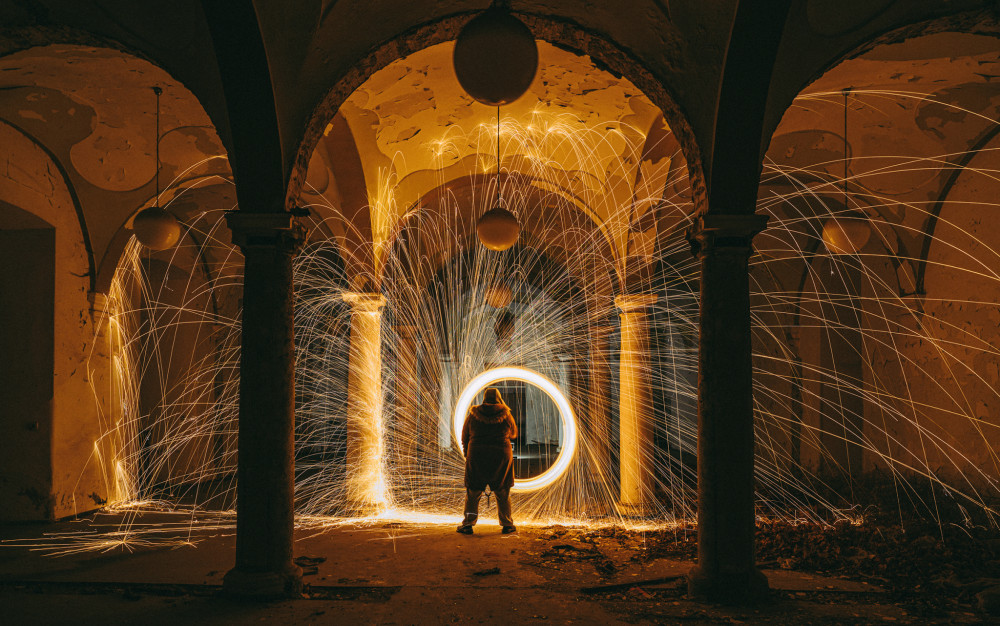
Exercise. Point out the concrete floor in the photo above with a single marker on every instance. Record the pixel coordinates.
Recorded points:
(390, 573)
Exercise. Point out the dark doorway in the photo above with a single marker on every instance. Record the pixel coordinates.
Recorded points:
(27, 305)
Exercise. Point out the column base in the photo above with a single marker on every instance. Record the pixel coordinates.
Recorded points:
(286, 583)
(728, 587)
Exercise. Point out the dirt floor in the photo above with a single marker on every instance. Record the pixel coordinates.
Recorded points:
(408, 573)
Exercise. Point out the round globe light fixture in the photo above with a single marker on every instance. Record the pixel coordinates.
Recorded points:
(156, 228)
(498, 229)
(491, 376)
(495, 57)
(499, 296)
(846, 235)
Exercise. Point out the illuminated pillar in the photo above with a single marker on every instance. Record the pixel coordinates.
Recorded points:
(107, 368)
(635, 414)
(265, 464)
(367, 489)
(726, 567)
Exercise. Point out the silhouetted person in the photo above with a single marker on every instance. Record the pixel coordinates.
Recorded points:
(489, 460)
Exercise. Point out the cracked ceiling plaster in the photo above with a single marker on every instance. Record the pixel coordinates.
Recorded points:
(104, 111)
(579, 131)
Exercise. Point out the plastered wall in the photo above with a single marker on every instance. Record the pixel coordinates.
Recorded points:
(58, 423)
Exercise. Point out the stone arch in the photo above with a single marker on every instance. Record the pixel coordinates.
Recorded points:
(390, 170)
(100, 134)
(97, 139)
(926, 376)
(534, 233)
(560, 33)
(68, 421)
(959, 303)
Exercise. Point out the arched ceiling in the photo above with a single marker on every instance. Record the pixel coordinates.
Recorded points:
(588, 139)
(929, 97)
(97, 105)
(685, 40)
(918, 111)
(93, 110)
(683, 49)
(313, 45)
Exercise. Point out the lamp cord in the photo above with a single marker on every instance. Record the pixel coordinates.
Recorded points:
(157, 91)
(499, 199)
(846, 93)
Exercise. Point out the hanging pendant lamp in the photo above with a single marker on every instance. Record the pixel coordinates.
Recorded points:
(499, 296)
(498, 228)
(846, 233)
(154, 227)
(495, 57)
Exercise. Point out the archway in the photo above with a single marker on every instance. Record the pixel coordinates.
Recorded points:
(599, 188)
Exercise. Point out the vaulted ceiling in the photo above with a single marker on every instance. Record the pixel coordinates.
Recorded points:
(372, 80)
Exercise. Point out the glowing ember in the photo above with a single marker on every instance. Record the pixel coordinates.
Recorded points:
(171, 426)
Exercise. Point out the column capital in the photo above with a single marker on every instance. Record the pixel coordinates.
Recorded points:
(253, 230)
(364, 302)
(734, 233)
(635, 302)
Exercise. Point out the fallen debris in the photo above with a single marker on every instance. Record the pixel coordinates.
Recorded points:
(632, 584)
(487, 572)
(309, 564)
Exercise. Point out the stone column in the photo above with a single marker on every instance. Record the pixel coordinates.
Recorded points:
(595, 429)
(104, 367)
(726, 569)
(367, 488)
(635, 415)
(266, 463)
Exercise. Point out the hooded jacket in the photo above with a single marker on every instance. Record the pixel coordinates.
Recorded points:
(489, 460)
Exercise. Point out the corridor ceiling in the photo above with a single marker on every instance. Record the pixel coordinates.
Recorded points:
(77, 74)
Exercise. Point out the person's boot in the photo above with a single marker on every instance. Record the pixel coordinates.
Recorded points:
(505, 530)
(465, 529)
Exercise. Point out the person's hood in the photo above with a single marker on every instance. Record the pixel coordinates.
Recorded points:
(490, 413)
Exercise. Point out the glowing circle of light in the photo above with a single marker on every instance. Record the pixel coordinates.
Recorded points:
(489, 377)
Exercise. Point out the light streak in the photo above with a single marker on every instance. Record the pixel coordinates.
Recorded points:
(910, 387)
(568, 449)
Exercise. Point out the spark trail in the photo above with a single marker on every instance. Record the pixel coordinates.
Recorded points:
(858, 368)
